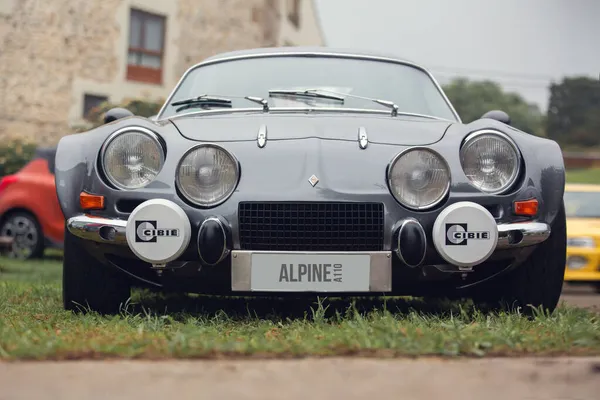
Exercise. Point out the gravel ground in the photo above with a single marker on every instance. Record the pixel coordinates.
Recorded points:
(354, 378)
(581, 296)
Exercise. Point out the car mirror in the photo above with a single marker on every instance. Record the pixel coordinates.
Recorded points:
(498, 116)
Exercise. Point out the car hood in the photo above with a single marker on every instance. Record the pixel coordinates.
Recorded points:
(382, 129)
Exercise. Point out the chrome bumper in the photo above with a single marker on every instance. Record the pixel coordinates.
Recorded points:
(112, 231)
(101, 230)
(521, 234)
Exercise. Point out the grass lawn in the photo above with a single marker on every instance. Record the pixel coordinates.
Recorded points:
(33, 325)
(591, 175)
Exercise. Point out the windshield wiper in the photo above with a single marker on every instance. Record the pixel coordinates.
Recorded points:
(313, 93)
(206, 101)
(387, 103)
(203, 101)
(320, 93)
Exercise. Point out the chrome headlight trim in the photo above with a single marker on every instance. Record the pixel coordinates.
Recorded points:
(419, 148)
(233, 188)
(138, 129)
(482, 132)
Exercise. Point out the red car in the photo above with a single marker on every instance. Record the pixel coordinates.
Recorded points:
(29, 209)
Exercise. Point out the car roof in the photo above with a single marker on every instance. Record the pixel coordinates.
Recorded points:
(582, 187)
(306, 49)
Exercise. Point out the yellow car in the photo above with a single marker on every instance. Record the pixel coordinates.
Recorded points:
(582, 206)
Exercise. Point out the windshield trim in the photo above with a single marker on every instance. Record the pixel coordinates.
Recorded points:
(310, 54)
(303, 110)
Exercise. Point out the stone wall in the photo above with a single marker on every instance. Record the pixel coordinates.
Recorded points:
(43, 45)
(50, 47)
(207, 30)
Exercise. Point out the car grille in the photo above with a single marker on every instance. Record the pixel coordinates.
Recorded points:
(319, 226)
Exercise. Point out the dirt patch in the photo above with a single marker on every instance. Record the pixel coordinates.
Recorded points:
(581, 296)
(344, 378)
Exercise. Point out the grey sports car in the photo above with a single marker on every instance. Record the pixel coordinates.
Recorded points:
(295, 171)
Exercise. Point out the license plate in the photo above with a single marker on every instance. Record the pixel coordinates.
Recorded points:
(310, 272)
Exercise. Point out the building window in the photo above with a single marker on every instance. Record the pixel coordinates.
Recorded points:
(146, 47)
(293, 12)
(91, 101)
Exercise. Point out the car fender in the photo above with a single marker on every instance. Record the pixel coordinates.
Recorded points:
(542, 163)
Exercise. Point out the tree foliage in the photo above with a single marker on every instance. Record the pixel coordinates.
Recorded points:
(472, 99)
(14, 155)
(574, 112)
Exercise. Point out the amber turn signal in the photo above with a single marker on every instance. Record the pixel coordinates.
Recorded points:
(526, 207)
(91, 201)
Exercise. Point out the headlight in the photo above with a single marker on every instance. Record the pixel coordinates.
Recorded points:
(132, 157)
(419, 178)
(491, 161)
(581, 242)
(207, 175)
(576, 262)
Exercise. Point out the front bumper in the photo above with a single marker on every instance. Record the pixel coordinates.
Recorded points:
(244, 278)
(113, 231)
(583, 264)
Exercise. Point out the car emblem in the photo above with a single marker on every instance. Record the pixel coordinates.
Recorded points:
(313, 180)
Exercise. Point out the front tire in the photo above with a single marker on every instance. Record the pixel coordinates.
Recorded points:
(88, 285)
(538, 281)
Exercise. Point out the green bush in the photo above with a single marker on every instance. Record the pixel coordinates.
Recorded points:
(14, 155)
(139, 107)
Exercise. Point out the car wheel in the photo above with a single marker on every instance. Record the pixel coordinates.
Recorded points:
(537, 282)
(88, 285)
(26, 233)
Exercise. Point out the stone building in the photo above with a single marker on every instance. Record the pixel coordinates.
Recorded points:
(59, 58)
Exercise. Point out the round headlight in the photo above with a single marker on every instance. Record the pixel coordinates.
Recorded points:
(419, 178)
(207, 175)
(576, 262)
(491, 161)
(132, 157)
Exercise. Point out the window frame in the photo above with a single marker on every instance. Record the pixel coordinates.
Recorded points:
(142, 73)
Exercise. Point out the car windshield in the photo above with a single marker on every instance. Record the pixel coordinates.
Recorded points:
(410, 88)
(582, 204)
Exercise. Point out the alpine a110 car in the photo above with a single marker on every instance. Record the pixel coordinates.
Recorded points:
(311, 171)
